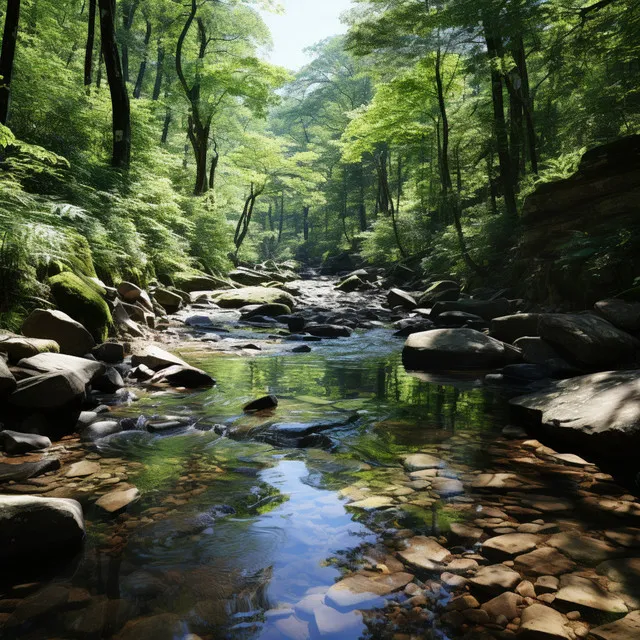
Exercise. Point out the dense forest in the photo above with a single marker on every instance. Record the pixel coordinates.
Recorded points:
(142, 139)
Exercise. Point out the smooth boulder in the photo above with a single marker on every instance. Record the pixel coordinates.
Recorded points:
(48, 391)
(621, 314)
(600, 412)
(238, 298)
(72, 337)
(27, 522)
(183, 376)
(16, 443)
(7, 381)
(518, 325)
(156, 358)
(86, 370)
(456, 350)
(18, 347)
(400, 298)
(486, 309)
(589, 340)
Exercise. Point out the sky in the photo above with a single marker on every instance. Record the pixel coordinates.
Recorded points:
(303, 23)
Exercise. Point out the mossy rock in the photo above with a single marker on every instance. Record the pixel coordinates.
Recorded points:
(83, 300)
(80, 259)
(237, 298)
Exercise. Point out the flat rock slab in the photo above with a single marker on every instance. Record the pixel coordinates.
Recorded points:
(540, 622)
(577, 592)
(421, 461)
(82, 469)
(623, 570)
(424, 553)
(571, 459)
(447, 487)
(465, 532)
(496, 481)
(545, 561)
(509, 546)
(584, 549)
(625, 537)
(117, 500)
(373, 502)
(361, 592)
(506, 604)
(600, 412)
(495, 579)
(86, 370)
(628, 628)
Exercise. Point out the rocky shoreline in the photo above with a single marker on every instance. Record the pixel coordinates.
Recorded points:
(517, 559)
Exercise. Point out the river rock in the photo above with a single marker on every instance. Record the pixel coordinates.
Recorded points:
(447, 487)
(577, 592)
(509, 545)
(328, 330)
(441, 290)
(486, 309)
(118, 500)
(456, 349)
(25, 521)
(261, 404)
(621, 314)
(26, 470)
(495, 579)
(589, 340)
(424, 553)
(109, 382)
(627, 628)
(82, 469)
(506, 604)
(465, 533)
(599, 411)
(184, 376)
(544, 561)
(625, 536)
(168, 300)
(519, 325)
(15, 443)
(269, 310)
(84, 369)
(238, 298)
(102, 429)
(7, 381)
(538, 351)
(162, 626)
(19, 347)
(362, 592)
(70, 335)
(623, 570)
(399, 298)
(109, 352)
(156, 358)
(351, 283)
(48, 391)
(540, 622)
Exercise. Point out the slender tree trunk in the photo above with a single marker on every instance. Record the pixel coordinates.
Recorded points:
(245, 219)
(7, 55)
(281, 221)
(119, 97)
(362, 209)
(520, 58)
(157, 86)
(270, 216)
(128, 14)
(444, 123)
(214, 166)
(386, 200)
(502, 139)
(99, 72)
(137, 91)
(165, 126)
(305, 222)
(88, 54)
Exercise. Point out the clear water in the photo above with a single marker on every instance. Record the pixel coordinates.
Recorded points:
(232, 529)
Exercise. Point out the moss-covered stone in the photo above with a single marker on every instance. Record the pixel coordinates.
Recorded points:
(83, 300)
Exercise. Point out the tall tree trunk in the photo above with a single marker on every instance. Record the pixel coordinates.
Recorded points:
(88, 53)
(386, 200)
(7, 55)
(157, 86)
(121, 115)
(137, 91)
(281, 221)
(270, 216)
(520, 58)
(165, 126)
(305, 222)
(128, 14)
(494, 46)
(445, 171)
(242, 227)
(214, 166)
(362, 208)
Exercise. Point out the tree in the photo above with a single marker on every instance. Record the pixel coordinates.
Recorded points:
(120, 108)
(7, 55)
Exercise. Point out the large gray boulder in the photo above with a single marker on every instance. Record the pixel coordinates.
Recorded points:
(15, 443)
(518, 325)
(238, 298)
(72, 337)
(18, 347)
(32, 527)
(599, 412)
(156, 358)
(456, 350)
(168, 300)
(588, 340)
(7, 381)
(400, 298)
(86, 370)
(486, 309)
(48, 391)
(624, 315)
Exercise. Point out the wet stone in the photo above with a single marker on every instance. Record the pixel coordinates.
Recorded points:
(495, 579)
(359, 591)
(117, 500)
(82, 469)
(465, 532)
(421, 461)
(583, 549)
(508, 546)
(372, 503)
(627, 628)
(581, 593)
(506, 604)
(540, 622)
(544, 561)
(424, 553)
(625, 537)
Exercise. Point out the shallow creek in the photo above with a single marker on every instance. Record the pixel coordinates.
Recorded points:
(245, 522)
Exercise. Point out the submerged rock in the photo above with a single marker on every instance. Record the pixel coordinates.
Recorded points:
(261, 404)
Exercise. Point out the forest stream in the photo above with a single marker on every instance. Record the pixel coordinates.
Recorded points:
(246, 522)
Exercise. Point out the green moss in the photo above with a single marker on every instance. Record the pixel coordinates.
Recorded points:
(80, 258)
(83, 300)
